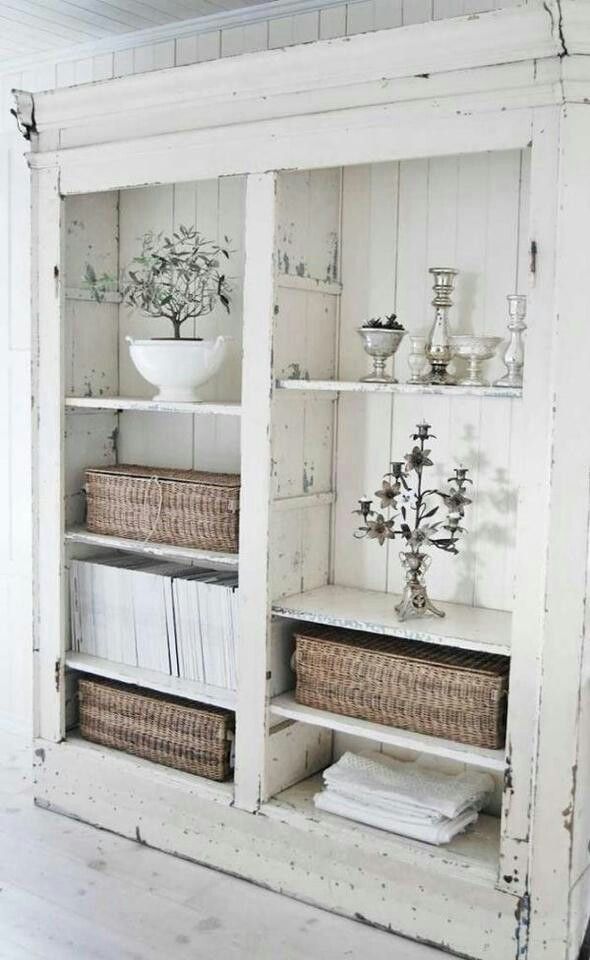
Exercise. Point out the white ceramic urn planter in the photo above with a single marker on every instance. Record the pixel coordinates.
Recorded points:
(178, 368)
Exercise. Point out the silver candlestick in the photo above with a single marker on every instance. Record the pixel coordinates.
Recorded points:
(438, 345)
(514, 353)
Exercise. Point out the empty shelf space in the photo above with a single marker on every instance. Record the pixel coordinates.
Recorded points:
(76, 753)
(474, 854)
(217, 408)
(285, 705)
(470, 628)
(358, 386)
(151, 680)
(163, 551)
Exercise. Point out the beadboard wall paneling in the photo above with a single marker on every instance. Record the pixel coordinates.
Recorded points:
(399, 220)
(67, 69)
(37, 26)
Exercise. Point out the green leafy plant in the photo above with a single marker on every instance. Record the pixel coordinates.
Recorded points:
(177, 277)
(388, 322)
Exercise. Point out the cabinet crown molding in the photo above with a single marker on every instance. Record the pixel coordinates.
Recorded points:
(365, 68)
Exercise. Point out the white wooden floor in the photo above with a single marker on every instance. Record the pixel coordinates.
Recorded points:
(70, 892)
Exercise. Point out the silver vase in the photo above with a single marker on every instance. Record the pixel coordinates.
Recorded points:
(380, 343)
(438, 344)
(417, 360)
(415, 601)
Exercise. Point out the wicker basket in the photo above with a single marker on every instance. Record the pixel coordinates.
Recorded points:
(177, 733)
(441, 691)
(180, 507)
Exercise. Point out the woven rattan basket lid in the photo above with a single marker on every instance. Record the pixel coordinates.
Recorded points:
(165, 473)
(397, 648)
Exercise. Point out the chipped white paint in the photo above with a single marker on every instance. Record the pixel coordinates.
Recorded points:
(289, 845)
(154, 406)
(162, 550)
(285, 705)
(470, 628)
(460, 147)
(194, 40)
(411, 389)
(152, 679)
(295, 753)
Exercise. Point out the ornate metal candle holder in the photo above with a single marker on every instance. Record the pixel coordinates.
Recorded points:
(514, 353)
(413, 520)
(438, 344)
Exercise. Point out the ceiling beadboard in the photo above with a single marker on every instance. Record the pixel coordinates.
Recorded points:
(28, 27)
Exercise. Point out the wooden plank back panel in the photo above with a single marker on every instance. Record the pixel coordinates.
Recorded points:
(398, 220)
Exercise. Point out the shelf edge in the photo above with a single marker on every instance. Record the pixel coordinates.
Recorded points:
(359, 386)
(151, 680)
(163, 550)
(285, 705)
(462, 643)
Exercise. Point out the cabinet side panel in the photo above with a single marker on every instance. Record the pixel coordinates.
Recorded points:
(253, 650)
(48, 479)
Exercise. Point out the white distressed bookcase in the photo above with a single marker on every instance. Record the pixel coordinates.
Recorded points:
(341, 170)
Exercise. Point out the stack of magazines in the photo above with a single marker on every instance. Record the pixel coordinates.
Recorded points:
(169, 617)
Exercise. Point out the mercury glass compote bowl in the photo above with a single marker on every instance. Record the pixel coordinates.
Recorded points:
(380, 343)
(475, 350)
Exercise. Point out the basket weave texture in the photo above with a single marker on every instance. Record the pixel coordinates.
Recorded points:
(186, 508)
(441, 691)
(175, 732)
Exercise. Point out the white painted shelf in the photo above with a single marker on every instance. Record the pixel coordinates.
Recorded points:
(285, 705)
(123, 765)
(151, 680)
(473, 854)
(154, 406)
(162, 550)
(358, 386)
(470, 628)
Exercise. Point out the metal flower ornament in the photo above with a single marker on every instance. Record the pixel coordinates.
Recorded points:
(415, 520)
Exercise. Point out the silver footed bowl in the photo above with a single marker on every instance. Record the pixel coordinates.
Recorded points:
(380, 343)
(475, 350)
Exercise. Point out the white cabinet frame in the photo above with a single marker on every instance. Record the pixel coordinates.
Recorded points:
(495, 82)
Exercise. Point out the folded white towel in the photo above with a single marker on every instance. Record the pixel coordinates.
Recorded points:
(436, 833)
(385, 783)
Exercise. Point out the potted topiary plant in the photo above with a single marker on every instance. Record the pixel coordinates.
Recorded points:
(381, 337)
(177, 278)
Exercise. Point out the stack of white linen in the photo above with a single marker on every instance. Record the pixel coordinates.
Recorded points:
(403, 797)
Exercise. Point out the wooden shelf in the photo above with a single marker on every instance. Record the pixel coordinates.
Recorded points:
(470, 628)
(75, 753)
(163, 551)
(151, 680)
(153, 406)
(286, 706)
(472, 855)
(358, 386)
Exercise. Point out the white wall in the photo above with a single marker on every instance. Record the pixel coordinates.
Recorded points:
(332, 21)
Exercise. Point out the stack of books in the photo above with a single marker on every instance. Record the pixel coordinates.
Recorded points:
(176, 619)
